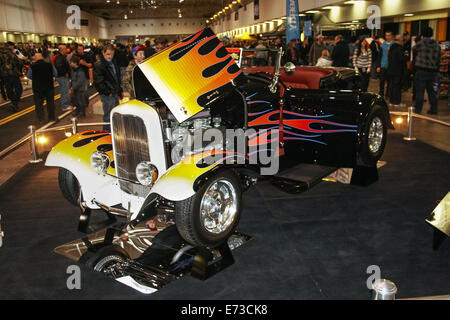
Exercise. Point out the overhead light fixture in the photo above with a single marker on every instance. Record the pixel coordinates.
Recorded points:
(118, 2)
(409, 14)
(313, 11)
(353, 1)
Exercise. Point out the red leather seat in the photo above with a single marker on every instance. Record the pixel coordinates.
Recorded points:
(303, 77)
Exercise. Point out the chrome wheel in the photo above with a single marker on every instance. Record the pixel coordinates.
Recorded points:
(218, 207)
(375, 137)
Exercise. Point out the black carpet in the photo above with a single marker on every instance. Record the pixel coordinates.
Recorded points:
(316, 245)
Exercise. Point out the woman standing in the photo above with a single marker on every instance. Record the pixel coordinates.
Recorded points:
(362, 61)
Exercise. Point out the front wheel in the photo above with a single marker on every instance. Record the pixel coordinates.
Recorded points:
(374, 137)
(210, 216)
(69, 186)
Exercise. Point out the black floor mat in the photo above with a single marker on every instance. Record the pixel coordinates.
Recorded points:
(316, 245)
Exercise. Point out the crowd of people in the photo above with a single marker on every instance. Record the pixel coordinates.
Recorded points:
(75, 68)
(392, 60)
(109, 68)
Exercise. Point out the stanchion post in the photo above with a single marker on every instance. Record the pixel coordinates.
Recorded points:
(33, 145)
(383, 289)
(410, 125)
(74, 125)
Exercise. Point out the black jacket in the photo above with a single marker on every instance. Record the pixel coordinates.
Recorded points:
(105, 81)
(341, 55)
(42, 75)
(62, 65)
(397, 60)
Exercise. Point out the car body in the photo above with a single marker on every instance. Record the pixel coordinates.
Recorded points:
(151, 160)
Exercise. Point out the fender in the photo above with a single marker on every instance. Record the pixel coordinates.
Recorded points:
(74, 155)
(180, 181)
(371, 99)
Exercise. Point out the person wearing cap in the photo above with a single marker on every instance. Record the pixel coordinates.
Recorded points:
(42, 73)
(316, 50)
(127, 80)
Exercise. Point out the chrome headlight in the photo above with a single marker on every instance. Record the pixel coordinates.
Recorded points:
(100, 162)
(146, 173)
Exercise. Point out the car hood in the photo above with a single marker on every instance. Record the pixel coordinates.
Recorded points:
(191, 74)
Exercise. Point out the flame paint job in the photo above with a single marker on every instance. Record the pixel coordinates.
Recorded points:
(191, 73)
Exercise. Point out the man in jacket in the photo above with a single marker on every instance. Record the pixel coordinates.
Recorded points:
(427, 62)
(42, 74)
(63, 69)
(11, 68)
(396, 70)
(315, 52)
(341, 53)
(107, 80)
(383, 63)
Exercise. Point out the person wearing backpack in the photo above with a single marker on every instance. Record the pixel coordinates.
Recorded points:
(12, 70)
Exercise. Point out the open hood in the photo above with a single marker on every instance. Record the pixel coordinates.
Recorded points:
(191, 74)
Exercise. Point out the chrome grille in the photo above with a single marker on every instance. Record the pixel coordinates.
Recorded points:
(131, 148)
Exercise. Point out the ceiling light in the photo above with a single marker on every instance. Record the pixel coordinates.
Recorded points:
(409, 14)
(312, 11)
(118, 2)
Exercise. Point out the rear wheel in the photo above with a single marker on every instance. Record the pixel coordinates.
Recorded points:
(210, 216)
(374, 137)
(107, 257)
(69, 186)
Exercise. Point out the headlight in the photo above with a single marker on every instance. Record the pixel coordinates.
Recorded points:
(146, 173)
(100, 162)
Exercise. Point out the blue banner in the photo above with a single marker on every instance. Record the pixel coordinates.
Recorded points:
(308, 28)
(292, 20)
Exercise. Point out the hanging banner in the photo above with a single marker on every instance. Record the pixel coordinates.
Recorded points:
(292, 20)
(308, 28)
(256, 9)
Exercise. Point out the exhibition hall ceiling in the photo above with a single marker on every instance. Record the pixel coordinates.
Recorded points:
(148, 9)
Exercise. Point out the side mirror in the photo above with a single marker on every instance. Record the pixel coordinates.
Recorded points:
(289, 68)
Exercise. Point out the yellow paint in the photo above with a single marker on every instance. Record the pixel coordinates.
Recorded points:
(83, 154)
(180, 83)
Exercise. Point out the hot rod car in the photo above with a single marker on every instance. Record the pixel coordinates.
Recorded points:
(151, 160)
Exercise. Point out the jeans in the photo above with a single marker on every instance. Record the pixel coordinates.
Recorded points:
(2, 88)
(424, 80)
(396, 90)
(64, 90)
(365, 79)
(13, 89)
(79, 102)
(385, 79)
(109, 102)
(49, 96)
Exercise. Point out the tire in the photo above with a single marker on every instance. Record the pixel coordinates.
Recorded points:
(105, 257)
(373, 145)
(190, 222)
(69, 186)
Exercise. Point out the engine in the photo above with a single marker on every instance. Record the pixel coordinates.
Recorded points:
(186, 138)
